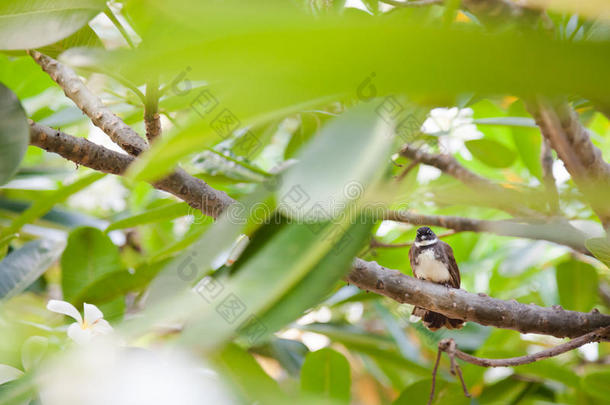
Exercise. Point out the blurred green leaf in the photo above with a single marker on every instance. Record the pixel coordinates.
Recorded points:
(418, 392)
(44, 204)
(246, 375)
(89, 256)
(36, 23)
(595, 383)
(157, 214)
(32, 351)
(14, 133)
(577, 283)
(326, 374)
(491, 153)
(360, 132)
(118, 283)
(600, 247)
(527, 139)
(8, 373)
(23, 266)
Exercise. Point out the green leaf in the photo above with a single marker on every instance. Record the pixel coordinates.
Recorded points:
(326, 374)
(600, 247)
(36, 23)
(577, 283)
(32, 351)
(118, 283)
(246, 375)
(418, 392)
(8, 373)
(526, 137)
(44, 205)
(158, 214)
(89, 255)
(491, 153)
(596, 384)
(22, 267)
(360, 132)
(14, 133)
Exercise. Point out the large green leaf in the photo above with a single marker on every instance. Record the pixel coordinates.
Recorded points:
(14, 133)
(22, 267)
(28, 24)
(491, 153)
(600, 247)
(157, 214)
(325, 180)
(577, 283)
(326, 374)
(595, 383)
(294, 63)
(89, 256)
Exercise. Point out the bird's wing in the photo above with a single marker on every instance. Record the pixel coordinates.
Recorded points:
(412, 259)
(454, 271)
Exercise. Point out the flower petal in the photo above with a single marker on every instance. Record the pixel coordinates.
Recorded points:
(78, 334)
(63, 307)
(8, 373)
(92, 314)
(101, 327)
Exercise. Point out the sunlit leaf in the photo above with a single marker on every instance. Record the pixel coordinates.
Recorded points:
(36, 23)
(14, 133)
(600, 247)
(577, 284)
(491, 153)
(89, 255)
(326, 374)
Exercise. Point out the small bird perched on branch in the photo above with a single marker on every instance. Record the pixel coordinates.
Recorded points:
(432, 260)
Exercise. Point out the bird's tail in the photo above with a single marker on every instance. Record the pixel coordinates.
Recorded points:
(435, 321)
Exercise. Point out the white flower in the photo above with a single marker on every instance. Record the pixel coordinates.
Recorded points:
(453, 126)
(83, 330)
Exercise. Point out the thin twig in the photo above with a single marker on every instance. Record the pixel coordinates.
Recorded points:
(376, 244)
(152, 119)
(406, 171)
(449, 346)
(557, 231)
(546, 161)
(434, 371)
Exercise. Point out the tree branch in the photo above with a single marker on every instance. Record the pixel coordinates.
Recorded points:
(479, 308)
(585, 163)
(152, 119)
(197, 193)
(560, 232)
(598, 335)
(506, 199)
(120, 133)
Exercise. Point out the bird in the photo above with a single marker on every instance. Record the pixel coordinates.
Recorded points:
(432, 260)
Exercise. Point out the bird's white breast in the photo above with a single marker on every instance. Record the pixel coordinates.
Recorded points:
(431, 269)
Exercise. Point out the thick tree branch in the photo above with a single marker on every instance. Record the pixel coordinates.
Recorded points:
(560, 232)
(479, 308)
(585, 163)
(120, 133)
(506, 199)
(197, 193)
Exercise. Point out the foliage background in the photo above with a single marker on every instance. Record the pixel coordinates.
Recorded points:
(287, 70)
